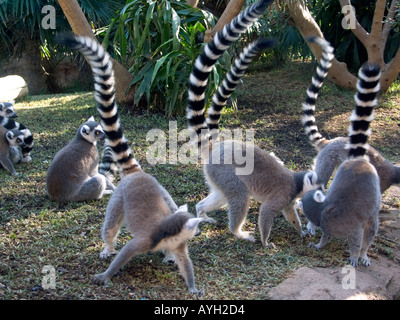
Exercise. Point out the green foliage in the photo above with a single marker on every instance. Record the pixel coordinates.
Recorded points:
(22, 20)
(349, 49)
(291, 44)
(161, 39)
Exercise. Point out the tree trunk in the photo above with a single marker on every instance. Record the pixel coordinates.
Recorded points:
(232, 10)
(80, 26)
(307, 26)
(375, 41)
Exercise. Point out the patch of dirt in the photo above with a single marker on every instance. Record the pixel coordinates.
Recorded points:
(380, 281)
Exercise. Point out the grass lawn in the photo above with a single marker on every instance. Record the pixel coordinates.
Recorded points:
(36, 232)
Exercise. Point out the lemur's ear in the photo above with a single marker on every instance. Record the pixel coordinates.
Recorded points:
(319, 196)
(10, 135)
(90, 119)
(193, 222)
(85, 130)
(310, 181)
(182, 209)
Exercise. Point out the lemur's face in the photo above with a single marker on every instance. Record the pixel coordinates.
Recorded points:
(15, 138)
(7, 110)
(92, 131)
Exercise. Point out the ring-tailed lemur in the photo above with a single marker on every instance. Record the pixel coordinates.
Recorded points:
(73, 174)
(139, 200)
(232, 79)
(270, 182)
(351, 206)
(331, 153)
(7, 116)
(9, 139)
(108, 166)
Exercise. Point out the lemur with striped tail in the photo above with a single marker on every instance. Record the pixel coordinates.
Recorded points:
(73, 174)
(331, 153)
(7, 116)
(269, 182)
(148, 210)
(351, 206)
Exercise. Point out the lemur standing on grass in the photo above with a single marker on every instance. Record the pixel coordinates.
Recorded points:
(351, 206)
(139, 201)
(331, 153)
(269, 182)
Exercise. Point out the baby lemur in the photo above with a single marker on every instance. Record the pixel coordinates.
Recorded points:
(231, 178)
(9, 139)
(73, 174)
(147, 209)
(331, 153)
(351, 206)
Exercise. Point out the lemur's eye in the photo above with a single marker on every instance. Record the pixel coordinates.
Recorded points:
(18, 140)
(97, 132)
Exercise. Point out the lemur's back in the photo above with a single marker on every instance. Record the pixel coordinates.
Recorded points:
(357, 180)
(254, 167)
(334, 153)
(143, 206)
(73, 165)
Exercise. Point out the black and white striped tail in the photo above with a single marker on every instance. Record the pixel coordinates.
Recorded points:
(231, 80)
(308, 119)
(368, 87)
(107, 167)
(103, 74)
(204, 63)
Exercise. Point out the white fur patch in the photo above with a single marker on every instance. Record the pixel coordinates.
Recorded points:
(319, 196)
(310, 182)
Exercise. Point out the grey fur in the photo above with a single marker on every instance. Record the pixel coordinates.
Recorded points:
(270, 183)
(148, 211)
(350, 209)
(351, 206)
(7, 116)
(232, 183)
(139, 199)
(8, 140)
(73, 174)
(333, 152)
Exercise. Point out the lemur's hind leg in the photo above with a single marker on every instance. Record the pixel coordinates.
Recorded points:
(355, 242)
(133, 248)
(370, 230)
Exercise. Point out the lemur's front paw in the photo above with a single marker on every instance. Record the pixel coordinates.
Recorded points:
(196, 292)
(313, 245)
(107, 252)
(101, 279)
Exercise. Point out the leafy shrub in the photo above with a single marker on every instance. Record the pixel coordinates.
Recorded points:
(160, 39)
